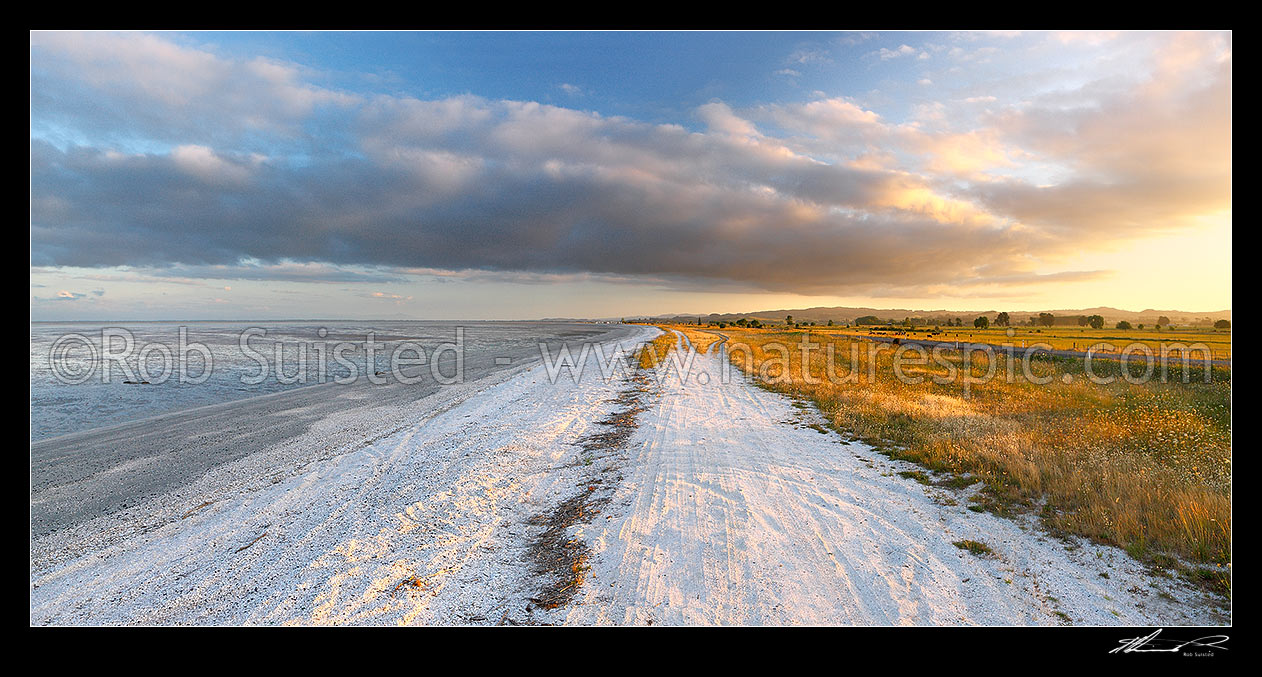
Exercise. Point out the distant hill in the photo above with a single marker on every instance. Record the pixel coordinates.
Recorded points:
(845, 315)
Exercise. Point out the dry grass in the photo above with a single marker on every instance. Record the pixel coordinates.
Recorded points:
(701, 340)
(1063, 338)
(1145, 467)
(654, 352)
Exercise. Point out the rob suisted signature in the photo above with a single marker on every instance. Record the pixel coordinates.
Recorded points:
(1153, 644)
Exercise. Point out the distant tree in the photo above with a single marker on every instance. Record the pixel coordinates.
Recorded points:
(1096, 321)
(981, 322)
(1140, 325)
(1163, 321)
(1222, 324)
(868, 319)
(830, 323)
(959, 322)
(1083, 320)
(1002, 320)
(1047, 319)
(754, 323)
(788, 319)
(742, 322)
(1123, 325)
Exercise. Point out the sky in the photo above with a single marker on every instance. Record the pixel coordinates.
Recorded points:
(503, 175)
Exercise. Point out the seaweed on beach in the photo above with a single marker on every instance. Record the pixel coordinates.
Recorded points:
(620, 424)
(558, 558)
(562, 560)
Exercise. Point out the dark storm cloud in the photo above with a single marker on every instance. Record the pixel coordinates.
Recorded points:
(195, 208)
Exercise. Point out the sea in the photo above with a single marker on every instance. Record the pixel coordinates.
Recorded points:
(91, 375)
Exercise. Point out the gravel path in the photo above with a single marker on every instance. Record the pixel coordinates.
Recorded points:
(734, 511)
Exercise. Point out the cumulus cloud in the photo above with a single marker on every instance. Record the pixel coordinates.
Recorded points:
(810, 55)
(128, 86)
(817, 197)
(902, 50)
(1150, 157)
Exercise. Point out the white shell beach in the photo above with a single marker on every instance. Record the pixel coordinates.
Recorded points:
(722, 507)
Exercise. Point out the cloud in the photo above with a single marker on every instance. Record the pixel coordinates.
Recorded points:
(1146, 158)
(824, 196)
(208, 166)
(130, 86)
(852, 38)
(810, 55)
(61, 296)
(397, 298)
(885, 54)
(720, 118)
(1085, 37)
(837, 121)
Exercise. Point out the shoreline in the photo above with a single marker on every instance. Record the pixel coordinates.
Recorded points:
(465, 467)
(720, 504)
(136, 460)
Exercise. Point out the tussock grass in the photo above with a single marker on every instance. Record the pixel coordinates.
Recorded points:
(1143, 466)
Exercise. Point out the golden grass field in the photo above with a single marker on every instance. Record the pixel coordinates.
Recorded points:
(652, 354)
(1146, 467)
(1061, 338)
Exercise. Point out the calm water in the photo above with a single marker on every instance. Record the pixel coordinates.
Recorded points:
(58, 407)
